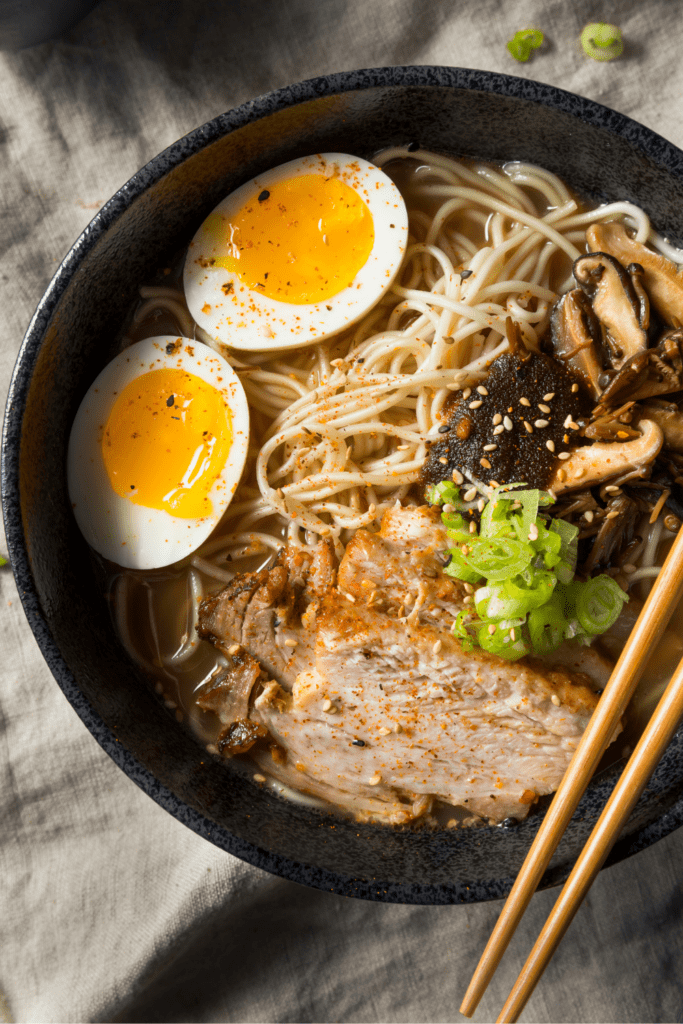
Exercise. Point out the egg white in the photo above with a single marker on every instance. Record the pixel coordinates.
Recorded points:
(247, 319)
(132, 535)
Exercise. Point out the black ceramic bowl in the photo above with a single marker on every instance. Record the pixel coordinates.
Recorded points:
(601, 154)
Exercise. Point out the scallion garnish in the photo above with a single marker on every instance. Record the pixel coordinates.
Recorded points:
(526, 599)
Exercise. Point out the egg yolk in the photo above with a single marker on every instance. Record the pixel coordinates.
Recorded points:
(166, 441)
(301, 240)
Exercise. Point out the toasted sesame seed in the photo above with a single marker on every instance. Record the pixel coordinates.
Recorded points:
(588, 516)
(372, 508)
(543, 408)
(291, 642)
(550, 445)
(482, 390)
(612, 515)
(492, 629)
(628, 568)
(567, 421)
(397, 727)
(475, 404)
(564, 455)
(480, 505)
(573, 426)
(469, 589)
(448, 341)
(467, 599)
(556, 700)
(527, 426)
(327, 704)
(443, 461)
(485, 463)
(259, 778)
(471, 494)
(549, 397)
(473, 527)
(234, 648)
(507, 423)
(448, 508)
(375, 779)
(524, 401)
(575, 388)
(437, 647)
(404, 448)
(490, 447)
(497, 419)
(561, 475)
(613, 489)
(383, 731)
(466, 393)
(457, 476)
(350, 597)
(533, 532)
(578, 473)
(540, 424)
(513, 635)
(493, 483)
(498, 430)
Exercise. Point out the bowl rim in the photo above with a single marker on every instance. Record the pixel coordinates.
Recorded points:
(668, 156)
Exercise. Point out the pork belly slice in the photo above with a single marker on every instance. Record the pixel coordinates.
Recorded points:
(269, 613)
(412, 720)
(402, 566)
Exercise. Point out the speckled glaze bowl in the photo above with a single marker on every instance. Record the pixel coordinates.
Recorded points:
(601, 154)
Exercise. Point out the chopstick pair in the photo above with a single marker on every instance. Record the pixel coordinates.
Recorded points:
(649, 627)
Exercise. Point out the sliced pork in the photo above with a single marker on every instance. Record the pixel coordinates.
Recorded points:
(369, 702)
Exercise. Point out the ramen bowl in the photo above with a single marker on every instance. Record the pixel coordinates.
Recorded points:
(600, 154)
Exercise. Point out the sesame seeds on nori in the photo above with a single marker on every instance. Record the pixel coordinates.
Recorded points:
(520, 454)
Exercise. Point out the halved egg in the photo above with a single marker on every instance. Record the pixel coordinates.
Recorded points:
(156, 451)
(297, 254)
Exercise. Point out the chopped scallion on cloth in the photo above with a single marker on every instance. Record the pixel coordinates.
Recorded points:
(601, 41)
(523, 42)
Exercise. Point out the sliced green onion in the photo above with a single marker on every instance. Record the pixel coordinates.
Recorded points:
(523, 567)
(499, 558)
(599, 603)
(569, 540)
(443, 493)
(3, 560)
(523, 42)
(601, 41)
(547, 627)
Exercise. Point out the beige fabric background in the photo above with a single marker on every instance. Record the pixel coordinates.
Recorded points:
(110, 910)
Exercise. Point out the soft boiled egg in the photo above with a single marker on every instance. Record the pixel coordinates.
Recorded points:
(297, 254)
(156, 451)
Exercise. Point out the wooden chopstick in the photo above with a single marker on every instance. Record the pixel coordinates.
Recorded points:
(640, 767)
(650, 625)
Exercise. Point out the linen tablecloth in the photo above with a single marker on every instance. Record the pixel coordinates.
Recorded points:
(110, 909)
